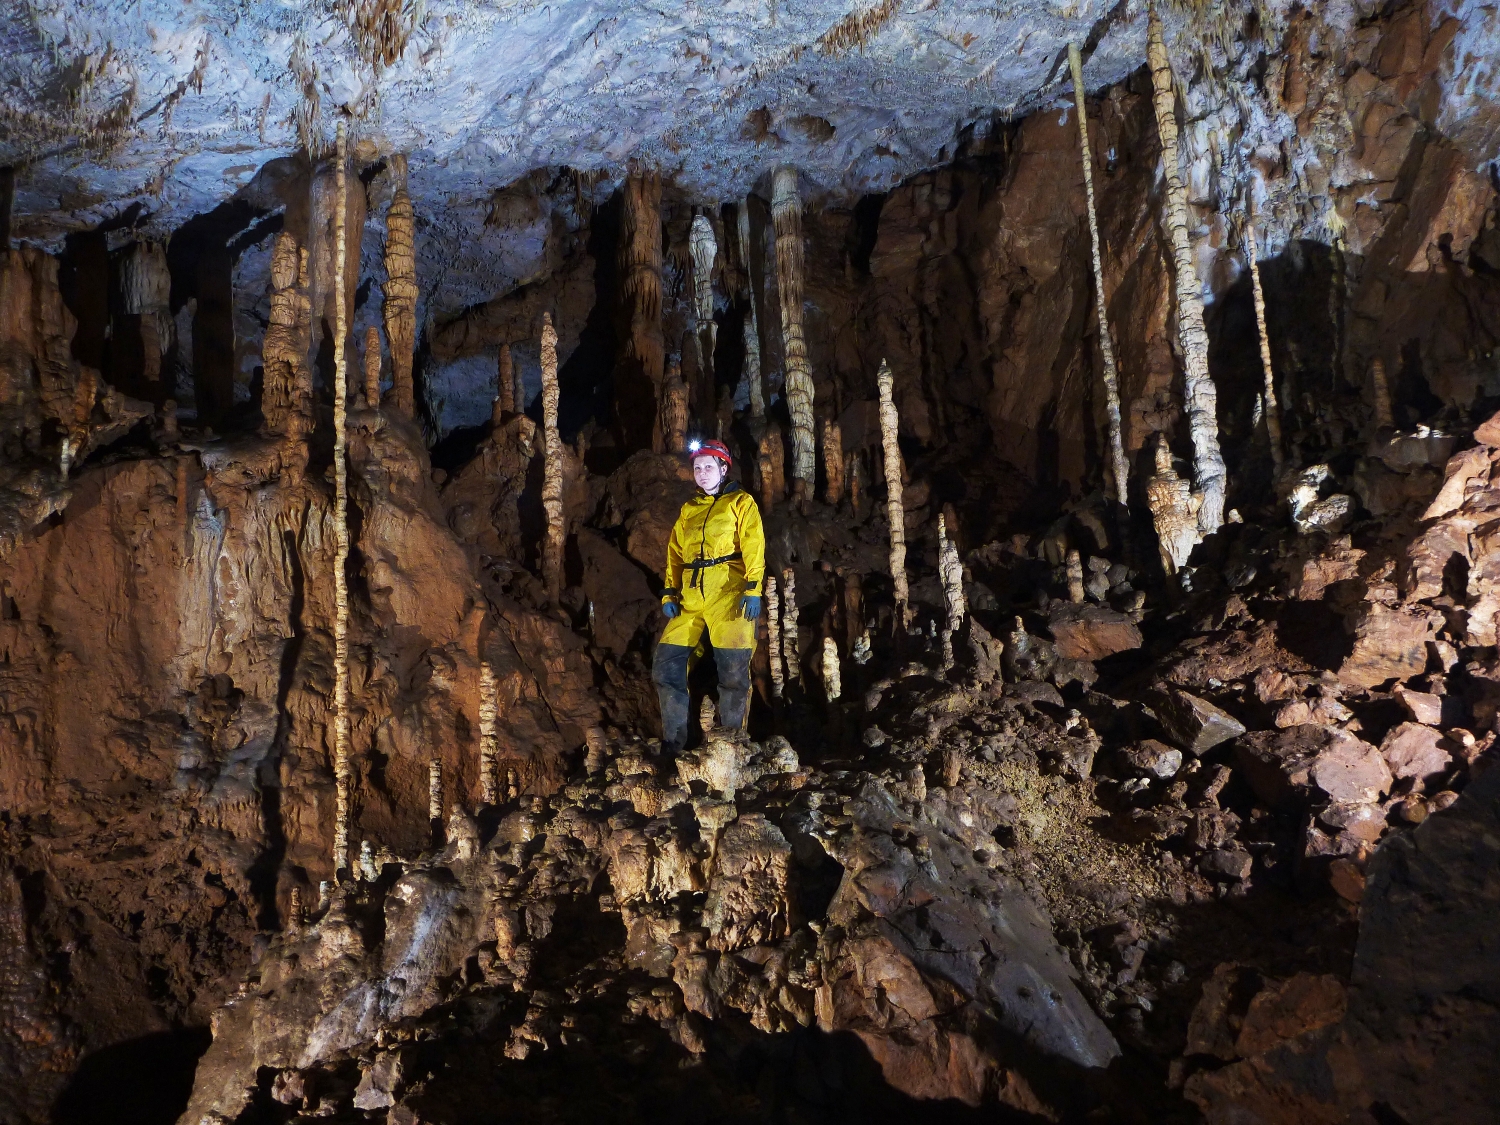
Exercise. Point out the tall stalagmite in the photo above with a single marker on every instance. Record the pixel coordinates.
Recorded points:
(505, 390)
(704, 248)
(890, 428)
(372, 367)
(1209, 477)
(753, 378)
(674, 412)
(1270, 408)
(951, 575)
(340, 526)
(638, 379)
(833, 461)
(771, 463)
(489, 738)
(286, 380)
(791, 655)
(773, 634)
(1119, 467)
(786, 214)
(1174, 510)
(552, 466)
(400, 308)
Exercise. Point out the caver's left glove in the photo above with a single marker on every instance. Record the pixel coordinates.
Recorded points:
(750, 606)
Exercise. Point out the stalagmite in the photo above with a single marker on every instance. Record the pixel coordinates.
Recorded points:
(435, 789)
(707, 715)
(1174, 510)
(704, 249)
(773, 634)
(833, 461)
(1269, 408)
(505, 391)
(638, 383)
(1075, 576)
(951, 575)
(1209, 476)
(596, 756)
(789, 653)
(1380, 389)
(286, 382)
(674, 412)
(372, 367)
(890, 426)
(340, 529)
(832, 687)
(489, 737)
(771, 461)
(169, 420)
(753, 378)
(786, 214)
(294, 915)
(552, 466)
(1119, 467)
(400, 308)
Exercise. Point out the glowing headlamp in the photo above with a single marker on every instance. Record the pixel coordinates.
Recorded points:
(694, 445)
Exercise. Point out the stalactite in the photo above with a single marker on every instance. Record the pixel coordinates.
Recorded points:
(146, 287)
(372, 367)
(505, 391)
(890, 426)
(1174, 510)
(1269, 408)
(1075, 576)
(1209, 476)
(786, 214)
(1120, 468)
(1380, 389)
(753, 378)
(400, 308)
(704, 249)
(638, 382)
(790, 655)
(833, 461)
(856, 492)
(773, 634)
(832, 685)
(435, 789)
(552, 466)
(771, 461)
(343, 797)
(489, 735)
(674, 412)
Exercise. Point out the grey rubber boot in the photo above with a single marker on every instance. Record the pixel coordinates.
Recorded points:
(669, 672)
(734, 685)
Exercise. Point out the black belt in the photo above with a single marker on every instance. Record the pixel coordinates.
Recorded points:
(700, 565)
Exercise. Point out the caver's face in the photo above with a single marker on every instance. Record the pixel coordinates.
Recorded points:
(709, 472)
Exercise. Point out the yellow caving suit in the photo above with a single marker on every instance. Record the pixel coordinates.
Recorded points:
(716, 557)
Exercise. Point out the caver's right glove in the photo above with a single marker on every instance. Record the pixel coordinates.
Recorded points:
(670, 607)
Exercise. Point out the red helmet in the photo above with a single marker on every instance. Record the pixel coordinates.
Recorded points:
(710, 448)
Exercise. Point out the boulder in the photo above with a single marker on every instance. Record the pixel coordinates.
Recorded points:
(1423, 707)
(1196, 724)
(1151, 758)
(1390, 643)
(1091, 632)
(1288, 767)
(1412, 750)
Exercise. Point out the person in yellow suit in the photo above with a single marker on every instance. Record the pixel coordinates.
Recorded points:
(716, 564)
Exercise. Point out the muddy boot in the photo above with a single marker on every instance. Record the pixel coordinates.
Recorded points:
(669, 672)
(734, 685)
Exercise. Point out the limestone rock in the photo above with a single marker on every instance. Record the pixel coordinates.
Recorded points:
(1288, 767)
(1151, 758)
(1090, 632)
(1390, 642)
(1414, 751)
(1195, 724)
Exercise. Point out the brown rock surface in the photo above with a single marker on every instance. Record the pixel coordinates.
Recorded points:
(1091, 632)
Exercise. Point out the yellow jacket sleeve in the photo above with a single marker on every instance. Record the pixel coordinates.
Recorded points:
(752, 544)
(672, 579)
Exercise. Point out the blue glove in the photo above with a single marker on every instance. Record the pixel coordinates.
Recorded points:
(750, 606)
(670, 609)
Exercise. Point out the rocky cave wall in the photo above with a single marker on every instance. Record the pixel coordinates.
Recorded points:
(166, 628)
